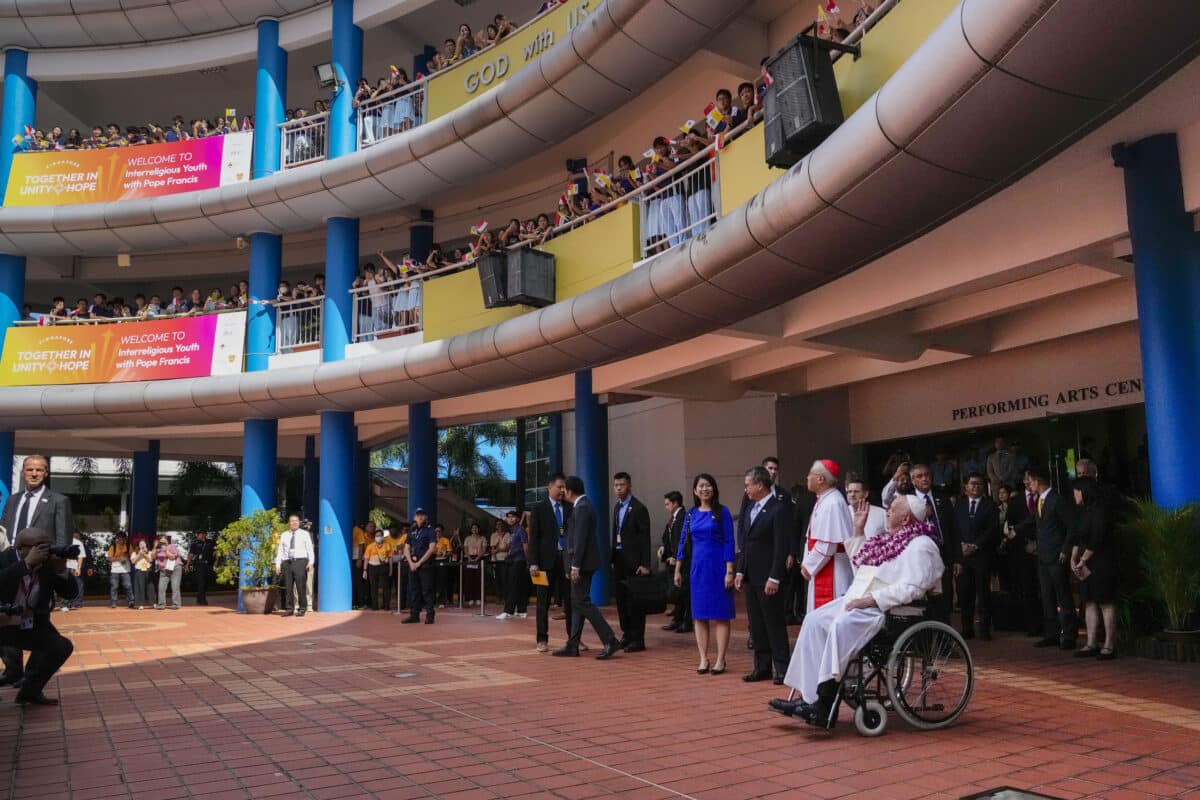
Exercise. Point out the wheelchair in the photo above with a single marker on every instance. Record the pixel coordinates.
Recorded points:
(916, 667)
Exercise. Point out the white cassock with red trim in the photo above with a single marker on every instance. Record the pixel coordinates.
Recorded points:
(825, 552)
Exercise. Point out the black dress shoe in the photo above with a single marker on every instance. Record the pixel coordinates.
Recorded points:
(566, 652)
(785, 707)
(608, 651)
(717, 671)
(820, 716)
(38, 699)
(300, 613)
(288, 614)
(685, 629)
(755, 677)
(409, 620)
(779, 680)
(429, 619)
(1046, 643)
(8, 680)
(634, 647)
(670, 627)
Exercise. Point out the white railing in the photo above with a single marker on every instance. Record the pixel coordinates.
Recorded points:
(387, 308)
(304, 140)
(391, 113)
(298, 324)
(46, 319)
(683, 207)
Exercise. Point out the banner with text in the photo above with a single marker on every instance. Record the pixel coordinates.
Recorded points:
(183, 347)
(68, 177)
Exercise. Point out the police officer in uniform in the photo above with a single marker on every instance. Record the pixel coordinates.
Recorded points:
(200, 560)
(420, 550)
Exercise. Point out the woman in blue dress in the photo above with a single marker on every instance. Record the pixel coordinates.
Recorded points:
(707, 541)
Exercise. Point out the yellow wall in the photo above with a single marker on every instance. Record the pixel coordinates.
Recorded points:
(744, 170)
(886, 47)
(453, 304)
(583, 258)
(454, 87)
(594, 253)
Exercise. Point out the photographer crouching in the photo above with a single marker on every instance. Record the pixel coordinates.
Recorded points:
(31, 572)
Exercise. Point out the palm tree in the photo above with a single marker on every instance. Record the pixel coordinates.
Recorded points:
(466, 470)
(84, 468)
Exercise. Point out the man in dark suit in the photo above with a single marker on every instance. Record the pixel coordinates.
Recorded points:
(765, 539)
(977, 521)
(38, 505)
(29, 578)
(792, 589)
(942, 516)
(668, 551)
(581, 557)
(547, 540)
(1053, 520)
(630, 556)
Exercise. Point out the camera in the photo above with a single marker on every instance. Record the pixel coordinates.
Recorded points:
(67, 551)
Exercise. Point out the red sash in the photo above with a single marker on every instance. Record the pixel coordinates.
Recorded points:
(823, 582)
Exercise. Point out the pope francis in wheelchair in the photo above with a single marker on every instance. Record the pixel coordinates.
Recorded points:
(872, 648)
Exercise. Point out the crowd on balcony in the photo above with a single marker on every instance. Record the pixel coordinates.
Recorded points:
(104, 137)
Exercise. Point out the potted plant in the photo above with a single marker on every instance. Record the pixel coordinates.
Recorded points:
(245, 552)
(1169, 548)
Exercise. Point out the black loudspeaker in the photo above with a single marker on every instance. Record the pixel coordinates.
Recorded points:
(801, 107)
(493, 280)
(530, 277)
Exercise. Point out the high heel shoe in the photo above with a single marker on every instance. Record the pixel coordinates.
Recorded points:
(717, 670)
(702, 670)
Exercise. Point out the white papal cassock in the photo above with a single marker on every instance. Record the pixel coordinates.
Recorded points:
(831, 635)
(829, 527)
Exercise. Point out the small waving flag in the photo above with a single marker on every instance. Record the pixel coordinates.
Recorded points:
(407, 265)
(394, 70)
(230, 113)
(479, 227)
(822, 22)
(572, 189)
(603, 180)
(832, 7)
(712, 116)
(687, 126)
(767, 79)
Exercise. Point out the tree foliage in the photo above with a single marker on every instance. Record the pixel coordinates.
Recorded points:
(467, 470)
(258, 535)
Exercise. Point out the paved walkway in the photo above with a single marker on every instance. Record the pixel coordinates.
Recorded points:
(205, 703)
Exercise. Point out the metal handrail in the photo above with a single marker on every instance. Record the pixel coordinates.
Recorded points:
(392, 102)
(24, 323)
(298, 323)
(309, 140)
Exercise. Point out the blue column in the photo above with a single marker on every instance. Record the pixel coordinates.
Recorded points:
(591, 464)
(266, 259)
(259, 444)
(556, 444)
(1166, 256)
(420, 236)
(19, 105)
(336, 507)
(422, 461)
(362, 481)
(347, 65)
(143, 518)
(311, 493)
(270, 96)
(341, 264)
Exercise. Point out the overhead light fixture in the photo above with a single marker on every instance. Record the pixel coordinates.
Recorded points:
(124, 260)
(326, 75)
(240, 242)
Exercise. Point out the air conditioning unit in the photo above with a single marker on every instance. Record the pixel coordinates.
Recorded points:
(801, 107)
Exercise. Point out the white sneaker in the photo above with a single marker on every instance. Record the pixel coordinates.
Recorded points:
(503, 615)
(521, 615)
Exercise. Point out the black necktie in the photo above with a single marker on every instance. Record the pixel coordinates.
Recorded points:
(973, 502)
(26, 513)
(931, 512)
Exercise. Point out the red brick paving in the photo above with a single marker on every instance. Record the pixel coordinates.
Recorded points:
(205, 703)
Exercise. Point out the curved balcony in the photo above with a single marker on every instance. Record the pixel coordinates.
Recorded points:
(616, 51)
(986, 98)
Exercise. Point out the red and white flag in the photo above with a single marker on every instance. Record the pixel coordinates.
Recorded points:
(479, 227)
(832, 7)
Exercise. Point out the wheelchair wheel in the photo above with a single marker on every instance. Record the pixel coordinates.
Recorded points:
(870, 718)
(931, 676)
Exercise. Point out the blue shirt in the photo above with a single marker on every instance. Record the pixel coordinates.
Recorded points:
(420, 540)
(516, 547)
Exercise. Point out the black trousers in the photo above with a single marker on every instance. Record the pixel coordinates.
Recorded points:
(1058, 605)
(582, 609)
(940, 605)
(295, 580)
(768, 628)
(421, 591)
(545, 595)
(517, 601)
(975, 592)
(48, 651)
(629, 611)
(358, 588)
(681, 614)
(377, 586)
(1023, 568)
(202, 584)
(499, 579)
(560, 587)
